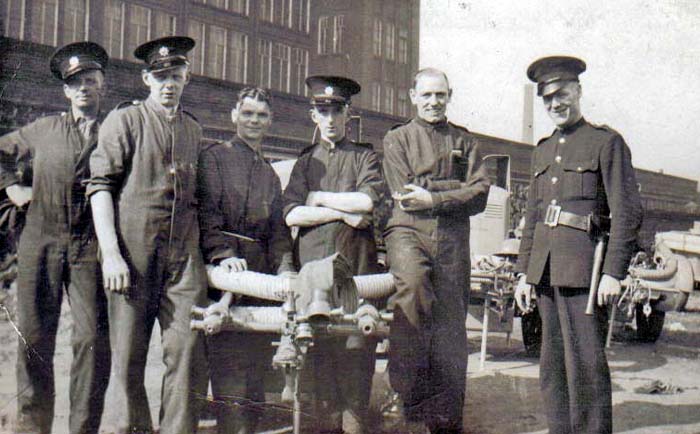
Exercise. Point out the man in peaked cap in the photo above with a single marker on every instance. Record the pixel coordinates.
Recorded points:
(57, 249)
(437, 178)
(333, 188)
(582, 174)
(142, 192)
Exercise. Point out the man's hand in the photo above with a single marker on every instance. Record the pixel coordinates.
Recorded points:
(524, 295)
(221, 307)
(115, 273)
(416, 199)
(19, 195)
(358, 221)
(608, 290)
(234, 264)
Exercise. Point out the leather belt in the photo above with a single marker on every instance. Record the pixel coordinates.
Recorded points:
(554, 217)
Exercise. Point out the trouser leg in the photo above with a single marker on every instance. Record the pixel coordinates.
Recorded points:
(39, 294)
(553, 375)
(448, 346)
(237, 364)
(185, 376)
(588, 375)
(90, 341)
(131, 320)
(409, 361)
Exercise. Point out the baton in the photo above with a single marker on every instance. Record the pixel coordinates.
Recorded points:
(595, 275)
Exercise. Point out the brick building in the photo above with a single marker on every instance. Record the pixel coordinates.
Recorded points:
(271, 43)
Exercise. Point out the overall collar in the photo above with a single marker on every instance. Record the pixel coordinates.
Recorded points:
(431, 125)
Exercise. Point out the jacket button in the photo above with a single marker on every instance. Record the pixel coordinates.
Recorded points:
(562, 140)
(554, 180)
(172, 171)
(557, 158)
(579, 169)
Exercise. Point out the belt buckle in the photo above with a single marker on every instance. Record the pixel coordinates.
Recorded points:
(551, 217)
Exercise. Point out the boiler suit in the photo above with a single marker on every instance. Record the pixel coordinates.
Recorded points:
(428, 254)
(57, 250)
(148, 160)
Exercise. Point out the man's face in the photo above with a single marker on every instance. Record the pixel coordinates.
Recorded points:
(331, 120)
(564, 105)
(84, 89)
(430, 96)
(252, 118)
(167, 86)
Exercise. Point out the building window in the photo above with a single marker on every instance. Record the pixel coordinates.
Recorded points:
(300, 15)
(403, 46)
(238, 6)
(197, 31)
(376, 96)
(74, 21)
(45, 22)
(330, 34)
(390, 33)
(237, 57)
(403, 102)
(282, 12)
(300, 69)
(266, 10)
(13, 23)
(264, 62)
(113, 28)
(281, 55)
(216, 52)
(389, 99)
(377, 38)
(165, 24)
(139, 29)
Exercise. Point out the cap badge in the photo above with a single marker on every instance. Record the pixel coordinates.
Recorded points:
(73, 61)
(164, 51)
(328, 90)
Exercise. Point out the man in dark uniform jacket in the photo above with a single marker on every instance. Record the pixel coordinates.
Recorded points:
(142, 193)
(58, 249)
(438, 180)
(242, 229)
(332, 191)
(582, 174)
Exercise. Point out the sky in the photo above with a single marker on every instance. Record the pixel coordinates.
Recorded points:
(643, 75)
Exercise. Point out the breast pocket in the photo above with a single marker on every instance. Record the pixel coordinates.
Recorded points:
(540, 183)
(580, 179)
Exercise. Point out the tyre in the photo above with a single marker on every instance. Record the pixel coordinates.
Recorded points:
(649, 328)
(531, 325)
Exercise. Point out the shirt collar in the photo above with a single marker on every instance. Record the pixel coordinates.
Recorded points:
(573, 127)
(328, 146)
(238, 140)
(431, 125)
(160, 109)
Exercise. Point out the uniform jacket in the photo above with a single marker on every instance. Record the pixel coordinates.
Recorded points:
(584, 169)
(446, 160)
(241, 193)
(54, 150)
(148, 161)
(348, 167)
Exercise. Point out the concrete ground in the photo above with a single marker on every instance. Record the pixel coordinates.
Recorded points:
(503, 398)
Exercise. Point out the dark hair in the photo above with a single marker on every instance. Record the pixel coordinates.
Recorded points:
(256, 94)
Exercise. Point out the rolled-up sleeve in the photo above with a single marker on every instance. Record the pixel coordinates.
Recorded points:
(109, 159)
(15, 150)
(369, 179)
(470, 198)
(297, 189)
